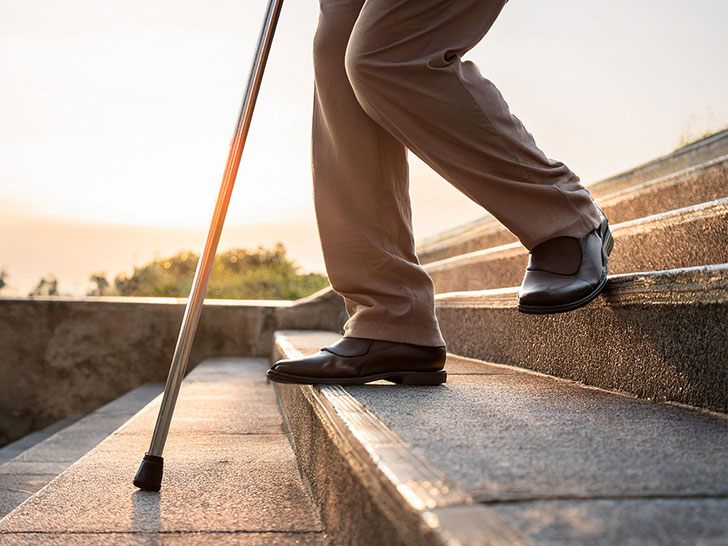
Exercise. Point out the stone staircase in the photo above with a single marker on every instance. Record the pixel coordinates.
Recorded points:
(607, 425)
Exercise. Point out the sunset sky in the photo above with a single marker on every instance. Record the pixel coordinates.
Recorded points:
(115, 118)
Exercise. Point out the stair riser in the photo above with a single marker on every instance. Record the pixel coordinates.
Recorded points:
(488, 235)
(673, 193)
(695, 238)
(667, 348)
(699, 185)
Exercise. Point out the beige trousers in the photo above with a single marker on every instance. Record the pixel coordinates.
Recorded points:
(389, 77)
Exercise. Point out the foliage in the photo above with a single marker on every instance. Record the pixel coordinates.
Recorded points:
(46, 287)
(3, 276)
(102, 285)
(237, 274)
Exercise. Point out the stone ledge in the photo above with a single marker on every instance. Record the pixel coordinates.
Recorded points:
(14, 449)
(70, 355)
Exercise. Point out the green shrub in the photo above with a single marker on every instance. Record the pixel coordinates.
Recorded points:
(237, 273)
(46, 287)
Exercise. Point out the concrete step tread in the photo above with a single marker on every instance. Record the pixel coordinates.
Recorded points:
(15, 448)
(686, 237)
(657, 334)
(700, 183)
(558, 461)
(34, 467)
(230, 474)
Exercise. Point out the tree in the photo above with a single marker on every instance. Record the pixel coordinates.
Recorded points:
(3, 276)
(102, 285)
(238, 273)
(46, 287)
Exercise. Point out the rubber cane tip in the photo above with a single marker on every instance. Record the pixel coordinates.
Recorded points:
(149, 475)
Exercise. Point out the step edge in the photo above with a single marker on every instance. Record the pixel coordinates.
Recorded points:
(422, 488)
(93, 449)
(711, 286)
(42, 435)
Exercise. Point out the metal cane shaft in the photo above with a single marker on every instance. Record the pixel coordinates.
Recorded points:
(204, 266)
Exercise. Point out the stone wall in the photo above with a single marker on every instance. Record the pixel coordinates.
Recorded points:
(60, 355)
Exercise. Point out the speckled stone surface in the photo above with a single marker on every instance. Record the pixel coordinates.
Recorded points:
(79, 353)
(669, 522)
(687, 237)
(630, 198)
(518, 435)
(230, 474)
(37, 465)
(656, 335)
(161, 539)
(563, 463)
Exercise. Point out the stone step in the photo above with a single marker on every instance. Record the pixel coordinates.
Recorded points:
(230, 475)
(685, 237)
(542, 457)
(659, 335)
(700, 184)
(703, 153)
(696, 153)
(15, 448)
(705, 182)
(36, 465)
(370, 486)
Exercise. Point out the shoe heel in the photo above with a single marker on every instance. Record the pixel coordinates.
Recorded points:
(610, 243)
(421, 378)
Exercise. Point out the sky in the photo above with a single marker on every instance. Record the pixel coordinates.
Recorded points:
(115, 118)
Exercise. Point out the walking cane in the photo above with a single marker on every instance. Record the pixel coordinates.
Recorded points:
(149, 475)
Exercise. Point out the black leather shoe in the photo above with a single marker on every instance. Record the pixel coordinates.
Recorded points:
(566, 273)
(356, 360)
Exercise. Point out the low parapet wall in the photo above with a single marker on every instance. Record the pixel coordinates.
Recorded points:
(60, 356)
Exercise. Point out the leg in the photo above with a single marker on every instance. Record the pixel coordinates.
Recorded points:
(361, 198)
(403, 62)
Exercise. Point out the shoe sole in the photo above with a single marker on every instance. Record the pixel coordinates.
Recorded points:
(564, 307)
(400, 378)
